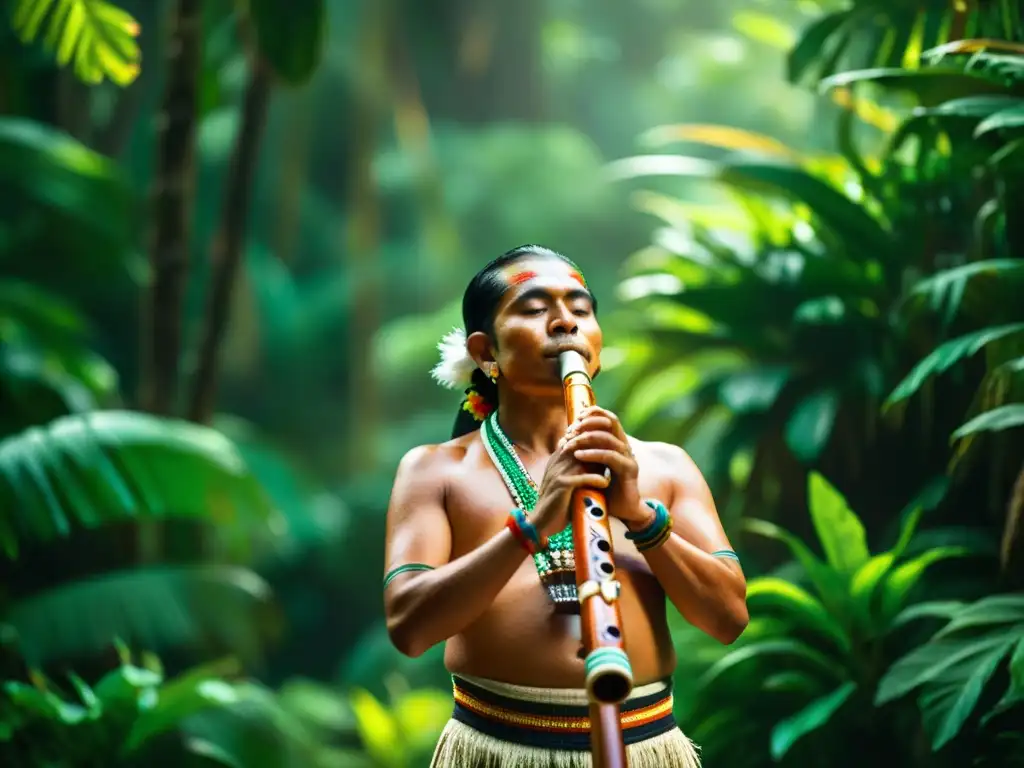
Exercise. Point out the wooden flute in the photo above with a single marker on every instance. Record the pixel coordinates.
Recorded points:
(609, 677)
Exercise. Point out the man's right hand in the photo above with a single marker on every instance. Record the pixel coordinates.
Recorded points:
(564, 474)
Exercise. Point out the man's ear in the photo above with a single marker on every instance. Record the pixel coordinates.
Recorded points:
(480, 349)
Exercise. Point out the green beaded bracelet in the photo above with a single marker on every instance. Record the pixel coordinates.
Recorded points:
(407, 568)
(728, 554)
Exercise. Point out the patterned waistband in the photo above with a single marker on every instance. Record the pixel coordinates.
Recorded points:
(556, 719)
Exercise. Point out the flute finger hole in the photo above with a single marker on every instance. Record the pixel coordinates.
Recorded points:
(612, 631)
(607, 568)
(604, 546)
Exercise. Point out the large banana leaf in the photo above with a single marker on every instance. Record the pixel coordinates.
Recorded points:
(153, 608)
(88, 470)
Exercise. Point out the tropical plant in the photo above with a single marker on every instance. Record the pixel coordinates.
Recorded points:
(795, 687)
(94, 35)
(83, 478)
(116, 721)
(951, 671)
(805, 307)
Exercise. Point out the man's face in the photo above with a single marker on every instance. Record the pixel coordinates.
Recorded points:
(546, 310)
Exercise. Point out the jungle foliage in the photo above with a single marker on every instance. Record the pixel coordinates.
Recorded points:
(831, 324)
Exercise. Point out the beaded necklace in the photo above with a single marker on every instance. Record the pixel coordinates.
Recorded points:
(556, 564)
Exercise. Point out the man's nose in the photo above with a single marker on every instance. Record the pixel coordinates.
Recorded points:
(563, 323)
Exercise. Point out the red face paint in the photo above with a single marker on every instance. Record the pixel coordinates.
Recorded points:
(578, 278)
(521, 277)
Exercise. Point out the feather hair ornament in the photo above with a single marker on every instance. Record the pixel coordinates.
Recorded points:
(455, 369)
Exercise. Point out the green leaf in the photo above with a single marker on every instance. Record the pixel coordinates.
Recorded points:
(809, 427)
(1001, 121)
(80, 197)
(827, 582)
(178, 699)
(934, 609)
(290, 36)
(112, 466)
(931, 86)
(778, 653)
(952, 648)
(996, 420)
(807, 53)
(98, 36)
(945, 289)
(421, 716)
(906, 576)
(947, 702)
(816, 714)
(154, 608)
(847, 219)
(796, 604)
(378, 729)
(840, 531)
(996, 609)
(947, 355)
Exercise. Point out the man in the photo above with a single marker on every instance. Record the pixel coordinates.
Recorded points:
(495, 586)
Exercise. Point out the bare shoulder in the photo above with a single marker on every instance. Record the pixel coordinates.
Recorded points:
(434, 463)
(668, 462)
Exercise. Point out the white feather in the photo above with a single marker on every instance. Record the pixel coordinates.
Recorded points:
(455, 369)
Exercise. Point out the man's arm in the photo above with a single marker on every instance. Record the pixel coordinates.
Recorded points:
(710, 592)
(424, 608)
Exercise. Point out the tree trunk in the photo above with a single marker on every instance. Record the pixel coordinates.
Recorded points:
(172, 204)
(229, 243)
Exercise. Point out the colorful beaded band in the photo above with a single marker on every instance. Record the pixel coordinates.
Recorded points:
(655, 534)
(525, 531)
(728, 554)
(553, 726)
(407, 568)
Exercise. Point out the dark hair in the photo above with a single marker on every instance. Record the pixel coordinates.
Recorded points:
(479, 303)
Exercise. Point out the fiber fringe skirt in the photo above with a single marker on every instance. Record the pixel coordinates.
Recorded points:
(498, 725)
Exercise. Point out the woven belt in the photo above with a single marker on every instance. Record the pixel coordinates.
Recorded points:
(556, 726)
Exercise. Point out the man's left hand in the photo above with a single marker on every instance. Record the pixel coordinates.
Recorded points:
(607, 444)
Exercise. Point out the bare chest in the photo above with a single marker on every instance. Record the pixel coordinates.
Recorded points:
(478, 503)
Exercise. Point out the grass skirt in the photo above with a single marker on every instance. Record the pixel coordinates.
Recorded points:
(497, 725)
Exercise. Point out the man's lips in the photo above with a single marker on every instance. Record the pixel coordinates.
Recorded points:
(556, 349)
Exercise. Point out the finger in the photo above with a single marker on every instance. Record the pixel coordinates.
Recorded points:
(595, 423)
(588, 480)
(596, 411)
(597, 440)
(614, 460)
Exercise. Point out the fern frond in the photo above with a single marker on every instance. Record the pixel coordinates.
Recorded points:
(96, 37)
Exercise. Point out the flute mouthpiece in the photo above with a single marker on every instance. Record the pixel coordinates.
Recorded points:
(572, 362)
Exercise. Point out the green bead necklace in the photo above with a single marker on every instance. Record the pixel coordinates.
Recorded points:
(556, 564)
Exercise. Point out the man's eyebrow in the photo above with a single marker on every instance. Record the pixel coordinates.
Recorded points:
(544, 293)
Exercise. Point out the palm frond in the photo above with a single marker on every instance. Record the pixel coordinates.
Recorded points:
(88, 470)
(98, 37)
(155, 609)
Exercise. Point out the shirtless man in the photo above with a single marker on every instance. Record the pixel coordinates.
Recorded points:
(463, 570)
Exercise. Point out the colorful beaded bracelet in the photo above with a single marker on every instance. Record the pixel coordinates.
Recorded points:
(655, 534)
(525, 532)
(407, 568)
